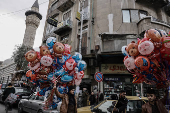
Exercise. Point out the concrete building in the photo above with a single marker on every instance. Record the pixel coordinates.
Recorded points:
(107, 26)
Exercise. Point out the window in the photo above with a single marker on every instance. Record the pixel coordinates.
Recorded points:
(85, 4)
(126, 16)
(133, 15)
(142, 14)
(67, 15)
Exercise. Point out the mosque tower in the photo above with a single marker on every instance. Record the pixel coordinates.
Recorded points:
(33, 18)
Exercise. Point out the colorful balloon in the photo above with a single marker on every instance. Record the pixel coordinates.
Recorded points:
(142, 63)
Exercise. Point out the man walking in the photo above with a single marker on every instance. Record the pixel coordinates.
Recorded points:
(154, 105)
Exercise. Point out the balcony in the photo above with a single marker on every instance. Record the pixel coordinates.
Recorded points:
(64, 5)
(150, 22)
(154, 3)
(63, 26)
(53, 13)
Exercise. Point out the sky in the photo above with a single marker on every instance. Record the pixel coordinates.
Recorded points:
(12, 24)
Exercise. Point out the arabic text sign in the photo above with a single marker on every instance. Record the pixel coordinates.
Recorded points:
(114, 69)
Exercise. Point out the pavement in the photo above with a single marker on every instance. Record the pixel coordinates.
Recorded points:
(2, 109)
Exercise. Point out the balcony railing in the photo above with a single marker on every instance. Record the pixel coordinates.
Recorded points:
(63, 26)
(64, 5)
(154, 3)
(150, 22)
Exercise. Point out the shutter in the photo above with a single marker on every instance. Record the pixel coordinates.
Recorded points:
(78, 41)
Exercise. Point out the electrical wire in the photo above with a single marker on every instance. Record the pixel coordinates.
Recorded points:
(20, 10)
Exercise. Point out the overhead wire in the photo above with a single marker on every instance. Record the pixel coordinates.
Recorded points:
(21, 9)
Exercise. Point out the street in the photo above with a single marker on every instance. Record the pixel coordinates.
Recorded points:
(2, 109)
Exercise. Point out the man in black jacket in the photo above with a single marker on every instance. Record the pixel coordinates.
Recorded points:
(122, 103)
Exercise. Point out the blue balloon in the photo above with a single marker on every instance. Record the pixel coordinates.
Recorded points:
(66, 78)
(50, 42)
(60, 72)
(81, 65)
(61, 61)
(77, 57)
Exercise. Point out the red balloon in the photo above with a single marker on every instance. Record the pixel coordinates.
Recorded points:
(165, 50)
(29, 74)
(67, 49)
(142, 63)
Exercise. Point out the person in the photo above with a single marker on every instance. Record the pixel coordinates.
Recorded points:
(92, 98)
(122, 103)
(69, 101)
(101, 97)
(84, 97)
(8, 90)
(154, 105)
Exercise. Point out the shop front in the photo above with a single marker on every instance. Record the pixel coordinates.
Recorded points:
(117, 78)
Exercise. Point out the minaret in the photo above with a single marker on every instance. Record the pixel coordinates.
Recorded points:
(33, 18)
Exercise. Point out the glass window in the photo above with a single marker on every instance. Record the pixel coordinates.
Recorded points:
(126, 16)
(134, 15)
(67, 15)
(32, 97)
(85, 4)
(142, 14)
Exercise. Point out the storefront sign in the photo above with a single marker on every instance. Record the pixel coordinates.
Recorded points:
(114, 69)
(78, 16)
(112, 79)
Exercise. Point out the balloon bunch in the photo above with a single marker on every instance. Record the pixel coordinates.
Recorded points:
(54, 63)
(149, 59)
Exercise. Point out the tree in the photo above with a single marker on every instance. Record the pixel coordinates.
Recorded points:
(19, 58)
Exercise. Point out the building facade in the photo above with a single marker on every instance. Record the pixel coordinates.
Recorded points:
(107, 26)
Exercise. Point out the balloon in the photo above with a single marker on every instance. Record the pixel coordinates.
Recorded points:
(50, 42)
(67, 49)
(66, 78)
(79, 75)
(60, 72)
(132, 49)
(138, 79)
(129, 62)
(30, 75)
(61, 61)
(77, 82)
(142, 63)
(145, 47)
(58, 49)
(77, 57)
(81, 65)
(34, 67)
(124, 51)
(46, 60)
(44, 50)
(165, 50)
(70, 64)
(154, 35)
(163, 33)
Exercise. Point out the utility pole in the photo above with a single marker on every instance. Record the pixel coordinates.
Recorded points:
(82, 13)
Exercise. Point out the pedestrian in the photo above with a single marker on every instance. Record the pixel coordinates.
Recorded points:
(101, 97)
(84, 97)
(122, 103)
(69, 101)
(92, 98)
(8, 90)
(154, 105)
